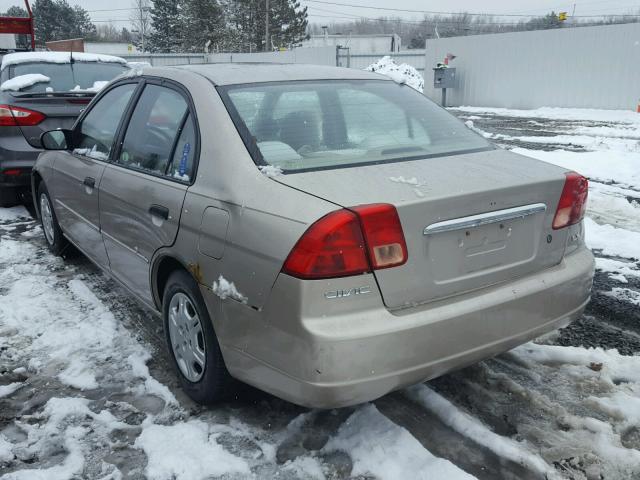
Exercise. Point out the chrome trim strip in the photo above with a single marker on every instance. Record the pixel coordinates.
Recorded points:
(126, 247)
(484, 219)
(84, 219)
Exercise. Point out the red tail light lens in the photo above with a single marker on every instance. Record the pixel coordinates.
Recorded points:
(383, 235)
(332, 247)
(573, 201)
(12, 116)
(12, 172)
(349, 242)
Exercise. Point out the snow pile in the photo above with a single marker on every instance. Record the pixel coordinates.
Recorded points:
(408, 181)
(23, 81)
(224, 289)
(270, 170)
(379, 447)
(186, 451)
(470, 427)
(6, 390)
(97, 86)
(619, 167)
(402, 74)
(612, 241)
(13, 214)
(579, 114)
(57, 57)
(63, 423)
(91, 153)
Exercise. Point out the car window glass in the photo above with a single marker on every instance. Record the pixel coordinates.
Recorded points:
(79, 77)
(152, 130)
(325, 124)
(98, 128)
(369, 117)
(248, 104)
(181, 166)
(298, 116)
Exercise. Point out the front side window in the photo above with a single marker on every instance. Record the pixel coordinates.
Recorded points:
(327, 124)
(98, 129)
(152, 131)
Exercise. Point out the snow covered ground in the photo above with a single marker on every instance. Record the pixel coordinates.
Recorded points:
(87, 391)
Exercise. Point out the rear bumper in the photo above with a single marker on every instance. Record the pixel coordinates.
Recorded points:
(339, 360)
(22, 159)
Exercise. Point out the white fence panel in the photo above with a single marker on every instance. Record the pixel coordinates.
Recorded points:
(415, 58)
(316, 56)
(586, 67)
(166, 59)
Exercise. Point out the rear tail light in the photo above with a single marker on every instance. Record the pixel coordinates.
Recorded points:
(349, 242)
(12, 172)
(383, 235)
(573, 201)
(12, 116)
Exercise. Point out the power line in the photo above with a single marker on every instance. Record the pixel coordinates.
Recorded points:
(432, 12)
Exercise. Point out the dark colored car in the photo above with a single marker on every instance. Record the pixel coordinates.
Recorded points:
(41, 91)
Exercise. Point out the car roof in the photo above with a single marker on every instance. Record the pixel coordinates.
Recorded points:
(242, 73)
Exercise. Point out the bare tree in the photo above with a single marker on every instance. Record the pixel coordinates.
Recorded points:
(141, 19)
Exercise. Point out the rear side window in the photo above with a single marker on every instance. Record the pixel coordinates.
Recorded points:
(308, 125)
(98, 129)
(153, 129)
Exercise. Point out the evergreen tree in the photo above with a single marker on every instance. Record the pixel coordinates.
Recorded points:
(57, 20)
(204, 24)
(167, 34)
(287, 23)
(16, 11)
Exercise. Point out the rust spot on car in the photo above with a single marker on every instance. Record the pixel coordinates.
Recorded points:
(196, 271)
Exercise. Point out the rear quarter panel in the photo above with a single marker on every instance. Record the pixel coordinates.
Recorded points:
(264, 218)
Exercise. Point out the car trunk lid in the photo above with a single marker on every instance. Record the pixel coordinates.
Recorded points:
(60, 111)
(469, 220)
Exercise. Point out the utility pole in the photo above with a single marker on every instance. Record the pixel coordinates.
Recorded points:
(267, 42)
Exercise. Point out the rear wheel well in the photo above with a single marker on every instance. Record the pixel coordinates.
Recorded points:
(167, 265)
(37, 180)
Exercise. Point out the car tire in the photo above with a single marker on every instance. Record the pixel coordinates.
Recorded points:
(49, 222)
(192, 342)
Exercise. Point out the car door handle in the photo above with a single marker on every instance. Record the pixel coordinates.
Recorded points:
(90, 182)
(159, 211)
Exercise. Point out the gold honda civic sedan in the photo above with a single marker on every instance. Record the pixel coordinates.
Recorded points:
(326, 235)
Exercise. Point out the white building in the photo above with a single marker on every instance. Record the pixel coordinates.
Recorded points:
(110, 48)
(375, 43)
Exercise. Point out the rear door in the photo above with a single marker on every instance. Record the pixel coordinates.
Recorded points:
(143, 189)
(78, 173)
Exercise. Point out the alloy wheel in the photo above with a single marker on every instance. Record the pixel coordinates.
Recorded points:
(187, 337)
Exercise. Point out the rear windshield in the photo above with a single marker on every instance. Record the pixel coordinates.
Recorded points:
(298, 126)
(65, 77)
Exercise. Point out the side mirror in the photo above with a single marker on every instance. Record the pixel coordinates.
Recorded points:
(56, 140)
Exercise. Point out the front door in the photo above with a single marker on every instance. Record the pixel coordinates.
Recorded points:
(78, 173)
(142, 190)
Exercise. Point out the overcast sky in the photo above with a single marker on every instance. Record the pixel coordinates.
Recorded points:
(325, 13)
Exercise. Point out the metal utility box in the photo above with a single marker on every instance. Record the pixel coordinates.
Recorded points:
(444, 77)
